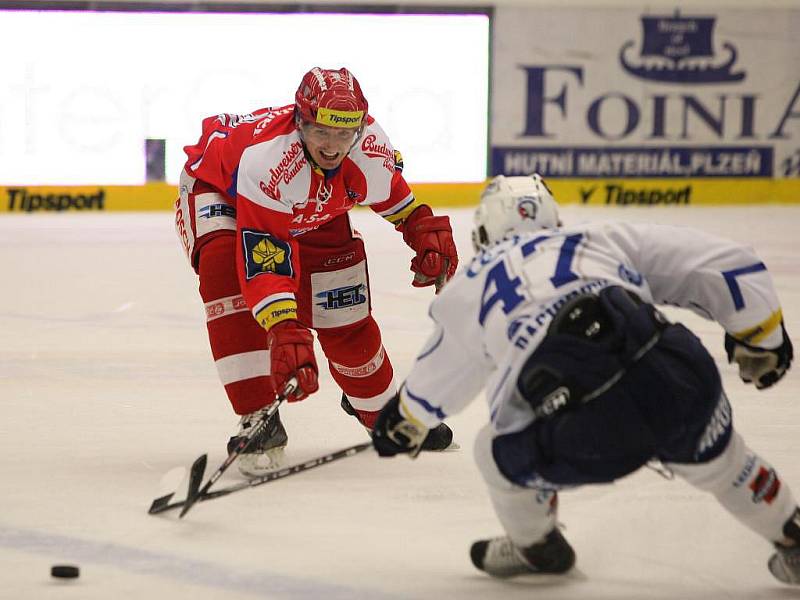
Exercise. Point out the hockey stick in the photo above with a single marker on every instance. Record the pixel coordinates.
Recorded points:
(197, 469)
(199, 465)
(162, 504)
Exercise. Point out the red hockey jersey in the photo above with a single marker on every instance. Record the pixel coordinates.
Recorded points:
(258, 162)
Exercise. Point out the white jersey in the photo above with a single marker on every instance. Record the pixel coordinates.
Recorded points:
(494, 313)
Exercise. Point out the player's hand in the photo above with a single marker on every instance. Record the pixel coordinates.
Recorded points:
(760, 366)
(431, 238)
(394, 434)
(291, 348)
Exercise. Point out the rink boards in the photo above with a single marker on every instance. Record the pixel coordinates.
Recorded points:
(619, 192)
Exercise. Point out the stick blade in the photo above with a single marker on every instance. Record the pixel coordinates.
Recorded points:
(161, 504)
(172, 483)
(195, 479)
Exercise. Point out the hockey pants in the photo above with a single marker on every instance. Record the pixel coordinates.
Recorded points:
(333, 299)
(741, 481)
(670, 406)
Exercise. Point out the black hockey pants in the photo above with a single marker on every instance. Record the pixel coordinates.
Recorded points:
(660, 407)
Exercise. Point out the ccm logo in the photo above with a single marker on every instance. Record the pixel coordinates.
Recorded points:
(338, 260)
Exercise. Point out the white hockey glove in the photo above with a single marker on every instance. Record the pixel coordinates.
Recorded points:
(394, 433)
(759, 365)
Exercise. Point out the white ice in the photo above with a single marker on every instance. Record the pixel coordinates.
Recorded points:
(107, 383)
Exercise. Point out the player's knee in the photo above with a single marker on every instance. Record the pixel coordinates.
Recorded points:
(217, 268)
(485, 461)
(734, 462)
(357, 342)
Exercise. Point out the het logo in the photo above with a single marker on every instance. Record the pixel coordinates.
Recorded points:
(343, 297)
(216, 210)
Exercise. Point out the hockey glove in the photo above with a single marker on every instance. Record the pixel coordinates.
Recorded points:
(291, 348)
(395, 434)
(759, 365)
(431, 238)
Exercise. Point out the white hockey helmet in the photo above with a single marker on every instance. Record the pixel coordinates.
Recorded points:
(513, 205)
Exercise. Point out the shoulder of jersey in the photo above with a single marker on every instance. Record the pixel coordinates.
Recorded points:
(373, 144)
(272, 123)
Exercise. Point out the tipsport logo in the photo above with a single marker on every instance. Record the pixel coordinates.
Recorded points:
(22, 200)
(339, 118)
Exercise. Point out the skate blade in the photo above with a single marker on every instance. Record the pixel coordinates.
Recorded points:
(781, 572)
(453, 447)
(261, 463)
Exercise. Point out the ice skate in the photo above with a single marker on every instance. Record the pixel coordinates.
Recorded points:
(499, 557)
(439, 438)
(785, 563)
(266, 452)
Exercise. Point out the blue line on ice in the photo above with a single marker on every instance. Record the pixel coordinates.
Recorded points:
(169, 566)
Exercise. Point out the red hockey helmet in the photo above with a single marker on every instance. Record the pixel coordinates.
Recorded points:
(331, 98)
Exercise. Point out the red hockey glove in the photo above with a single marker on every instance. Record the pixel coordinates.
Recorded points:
(431, 238)
(291, 348)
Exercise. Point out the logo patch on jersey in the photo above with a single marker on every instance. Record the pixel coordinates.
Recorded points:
(324, 194)
(630, 275)
(343, 297)
(216, 210)
(338, 259)
(746, 471)
(717, 432)
(233, 121)
(765, 486)
(526, 207)
(264, 253)
(370, 147)
(291, 162)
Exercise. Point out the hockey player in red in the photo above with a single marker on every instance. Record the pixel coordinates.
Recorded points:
(263, 217)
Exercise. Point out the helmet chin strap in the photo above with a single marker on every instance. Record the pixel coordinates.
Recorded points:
(358, 135)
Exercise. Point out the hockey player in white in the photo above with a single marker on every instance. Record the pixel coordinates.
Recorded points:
(586, 381)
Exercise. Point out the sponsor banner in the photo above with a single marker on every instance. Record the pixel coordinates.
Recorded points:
(635, 161)
(594, 190)
(641, 92)
(87, 199)
(675, 192)
(630, 191)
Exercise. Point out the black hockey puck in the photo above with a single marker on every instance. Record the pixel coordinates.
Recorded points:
(65, 571)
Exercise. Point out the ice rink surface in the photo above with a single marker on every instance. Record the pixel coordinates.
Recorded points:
(107, 383)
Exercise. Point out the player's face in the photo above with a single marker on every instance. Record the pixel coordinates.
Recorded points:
(328, 145)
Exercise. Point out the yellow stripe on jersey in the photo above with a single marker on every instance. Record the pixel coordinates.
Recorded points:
(400, 215)
(760, 331)
(281, 310)
(407, 413)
